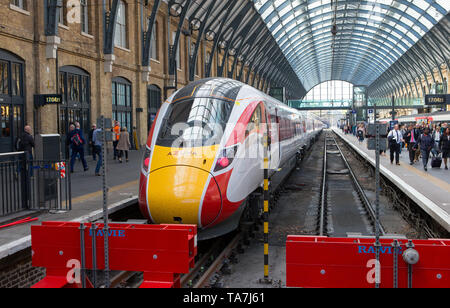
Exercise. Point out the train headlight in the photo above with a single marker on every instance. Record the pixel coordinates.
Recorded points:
(146, 160)
(226, 158)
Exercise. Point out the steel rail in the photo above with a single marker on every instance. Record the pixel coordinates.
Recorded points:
(324, 187)
(361, 192)
(185, 279)
(215, 266)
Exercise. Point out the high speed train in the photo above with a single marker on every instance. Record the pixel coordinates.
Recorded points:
(423, 118)
(205, 152)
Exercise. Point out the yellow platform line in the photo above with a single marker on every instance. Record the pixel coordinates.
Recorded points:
(438, 182)
(100, 192)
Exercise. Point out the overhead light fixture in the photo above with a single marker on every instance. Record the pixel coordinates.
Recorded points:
(334, 30)
(195, 24)
(175, 10)
(210, 35)
(232, 52)
(222, 44)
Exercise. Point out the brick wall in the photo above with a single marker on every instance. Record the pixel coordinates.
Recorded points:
(16, 271)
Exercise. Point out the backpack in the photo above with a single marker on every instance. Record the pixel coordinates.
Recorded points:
(76, 140)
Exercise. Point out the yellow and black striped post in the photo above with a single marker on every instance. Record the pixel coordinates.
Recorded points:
(266, 208)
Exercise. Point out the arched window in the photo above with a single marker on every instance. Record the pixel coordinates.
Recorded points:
(84, 5)
(75, 88)
(12, 102)
(120, 38)
(122, 102)
(154, 43)
(154, 103)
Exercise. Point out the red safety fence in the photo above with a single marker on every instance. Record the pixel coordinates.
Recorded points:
(161, 252)
(321, 262)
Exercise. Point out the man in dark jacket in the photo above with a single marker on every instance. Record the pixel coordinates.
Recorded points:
(412, 138)
(76, 141)
(426, 144)
(26, 143)
(444, 146)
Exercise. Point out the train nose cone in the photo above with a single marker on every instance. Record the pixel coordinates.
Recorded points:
(179, 194)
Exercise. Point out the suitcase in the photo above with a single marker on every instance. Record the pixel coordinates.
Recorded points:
(436, 162)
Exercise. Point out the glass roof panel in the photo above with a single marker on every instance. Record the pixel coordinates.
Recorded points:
(385, 28)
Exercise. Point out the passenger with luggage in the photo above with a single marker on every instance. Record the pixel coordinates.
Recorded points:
(436, 136)
(444, 146)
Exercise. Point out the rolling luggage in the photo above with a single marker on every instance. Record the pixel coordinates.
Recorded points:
(436, 162)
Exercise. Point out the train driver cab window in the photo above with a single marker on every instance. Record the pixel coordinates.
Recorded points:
(195, 122)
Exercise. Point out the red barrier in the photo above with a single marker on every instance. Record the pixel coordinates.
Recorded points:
(320, 262)
(161, 252)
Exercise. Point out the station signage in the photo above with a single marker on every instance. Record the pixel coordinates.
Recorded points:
(47, 99)
(437, 99)
(278, 93)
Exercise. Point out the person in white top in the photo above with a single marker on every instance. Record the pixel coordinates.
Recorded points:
(437, 139)
(395, 140)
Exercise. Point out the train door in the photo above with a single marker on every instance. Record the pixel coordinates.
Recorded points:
(275, 138)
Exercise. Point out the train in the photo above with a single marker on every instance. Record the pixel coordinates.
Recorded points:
(203, 161)
(423, 118)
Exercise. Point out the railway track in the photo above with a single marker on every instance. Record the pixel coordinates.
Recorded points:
(344, 207)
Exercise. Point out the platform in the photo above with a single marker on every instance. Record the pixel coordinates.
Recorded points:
(430, 190)
(87, 199)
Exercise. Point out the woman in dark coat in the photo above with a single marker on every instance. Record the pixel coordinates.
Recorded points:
(124, 144)
(444, 146)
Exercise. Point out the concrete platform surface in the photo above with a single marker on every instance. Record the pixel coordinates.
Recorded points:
(87, 199)
(430, 190)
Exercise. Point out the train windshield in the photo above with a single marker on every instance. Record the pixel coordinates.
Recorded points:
(195, 122)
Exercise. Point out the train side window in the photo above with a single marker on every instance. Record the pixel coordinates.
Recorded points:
(255, 120)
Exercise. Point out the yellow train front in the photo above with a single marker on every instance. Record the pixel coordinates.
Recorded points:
(204, 154)
(178, 177)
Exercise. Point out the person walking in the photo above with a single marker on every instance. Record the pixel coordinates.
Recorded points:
(436, 136)
(98, 144)
(124, 144)
(25, 143)
(395, 138)
(412, 137)
(426, 145)
(361, 133)
(444, 146)
(116, 131)
(76, 141)
(91, 142)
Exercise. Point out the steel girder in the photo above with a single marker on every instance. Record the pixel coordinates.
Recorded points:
(148, 34)
(53, 10)
(233, 27)
(193, 58)
(173, 46)
(428, 53)
(219, 34)
(110, 28)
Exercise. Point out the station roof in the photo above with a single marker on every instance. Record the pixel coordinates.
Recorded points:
(355, 41)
